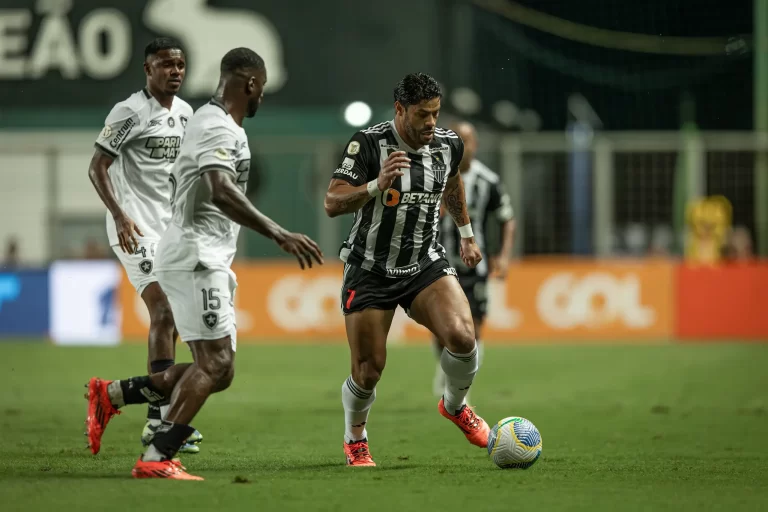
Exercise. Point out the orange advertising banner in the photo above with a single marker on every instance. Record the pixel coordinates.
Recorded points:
(558, 302)
(723, 302)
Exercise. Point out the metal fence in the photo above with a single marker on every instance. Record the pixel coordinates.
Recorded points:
(601, 194)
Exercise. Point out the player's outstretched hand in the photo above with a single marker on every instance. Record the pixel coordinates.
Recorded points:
(391, 169)
(126, 233)
(304, 248)
(470, 252)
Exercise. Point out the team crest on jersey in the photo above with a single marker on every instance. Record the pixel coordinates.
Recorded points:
(146, 267)
(171, 122)
(438, 166)
(211, 319)
(183, 120)
(353, 148)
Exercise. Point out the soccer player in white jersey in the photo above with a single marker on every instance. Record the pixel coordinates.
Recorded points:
(129, 169)
(193, 265)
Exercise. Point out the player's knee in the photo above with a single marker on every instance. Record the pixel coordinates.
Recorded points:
(219, 368)
(225, 380)
(367, 371)
(460, 339)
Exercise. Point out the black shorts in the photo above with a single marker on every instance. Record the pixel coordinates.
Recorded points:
(362, 289)
(476, 290)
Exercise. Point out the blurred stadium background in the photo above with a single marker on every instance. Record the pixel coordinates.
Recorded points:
(631, 136)
(607, 123)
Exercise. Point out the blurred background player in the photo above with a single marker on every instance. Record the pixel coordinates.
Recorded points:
(486, 202)
(129, 169)
(392, 178)
(193, 266)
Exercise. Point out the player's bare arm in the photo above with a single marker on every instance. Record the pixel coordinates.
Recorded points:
(500, 264)
(456, 206)
(233, 203)
(343, 197)
(98, 172)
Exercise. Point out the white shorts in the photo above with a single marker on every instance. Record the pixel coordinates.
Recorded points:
(203, 303)
(139, 266)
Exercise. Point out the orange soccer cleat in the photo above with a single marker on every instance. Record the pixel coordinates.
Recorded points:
(169, 469)
(474, 427)
(100, 411)
(358, 454)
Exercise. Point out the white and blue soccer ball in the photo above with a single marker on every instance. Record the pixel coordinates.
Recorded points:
(514, 443)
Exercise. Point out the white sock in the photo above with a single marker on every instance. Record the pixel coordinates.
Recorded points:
(357, 403)
(164, 410)
(460, 370)
(115, 393)
(480, 353)
(438, 383)
(152, 455)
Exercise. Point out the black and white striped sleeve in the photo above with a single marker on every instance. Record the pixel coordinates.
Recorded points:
(457, 152)
(356, 163)
(499, 203)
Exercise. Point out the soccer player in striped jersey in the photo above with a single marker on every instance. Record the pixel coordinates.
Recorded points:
(130, 168)
(486, 202)
(393, 177)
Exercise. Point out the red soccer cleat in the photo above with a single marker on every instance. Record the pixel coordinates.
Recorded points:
(358, 454)
(162, 469)
(474, 427)
(100, 411)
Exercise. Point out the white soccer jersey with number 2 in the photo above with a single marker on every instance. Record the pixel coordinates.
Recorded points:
(200, 235)
(144, 139)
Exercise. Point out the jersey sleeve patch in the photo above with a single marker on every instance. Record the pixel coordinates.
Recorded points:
(354, 165)
(122, 125)
(218, 150)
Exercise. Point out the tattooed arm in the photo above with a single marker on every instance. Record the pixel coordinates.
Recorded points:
(456, 205)
(344, 198)
(454, 202)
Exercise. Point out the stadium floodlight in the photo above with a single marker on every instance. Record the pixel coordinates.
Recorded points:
(466, 101)
(357, 113)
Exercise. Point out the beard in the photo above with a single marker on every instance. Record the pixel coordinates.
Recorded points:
(253, 107)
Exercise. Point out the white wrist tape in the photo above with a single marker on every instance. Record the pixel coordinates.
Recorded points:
(466, 231)
(373, 188)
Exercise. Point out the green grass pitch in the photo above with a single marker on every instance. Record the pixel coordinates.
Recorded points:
(624, 428)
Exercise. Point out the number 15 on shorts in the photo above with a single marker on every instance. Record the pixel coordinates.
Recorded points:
(211, 303)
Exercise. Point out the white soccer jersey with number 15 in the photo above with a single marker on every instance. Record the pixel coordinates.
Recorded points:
(144, 139)
(200, 235)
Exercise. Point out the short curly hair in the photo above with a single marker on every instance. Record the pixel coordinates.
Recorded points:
(415, 88)
(240, 59)
(160, 44)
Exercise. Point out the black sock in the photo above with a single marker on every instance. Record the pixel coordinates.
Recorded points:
(153, 410)
(139, 390)
(170, 437)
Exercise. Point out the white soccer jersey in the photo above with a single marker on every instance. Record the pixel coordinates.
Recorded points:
(200, 235)
(144, 138)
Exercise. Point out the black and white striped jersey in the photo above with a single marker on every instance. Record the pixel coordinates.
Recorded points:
(396, 234)
(486, 199)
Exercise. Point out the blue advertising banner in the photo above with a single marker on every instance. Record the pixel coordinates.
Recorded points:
(84, 305)
(24, 303)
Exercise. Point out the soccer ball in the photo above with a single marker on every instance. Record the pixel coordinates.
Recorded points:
(514, 443)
